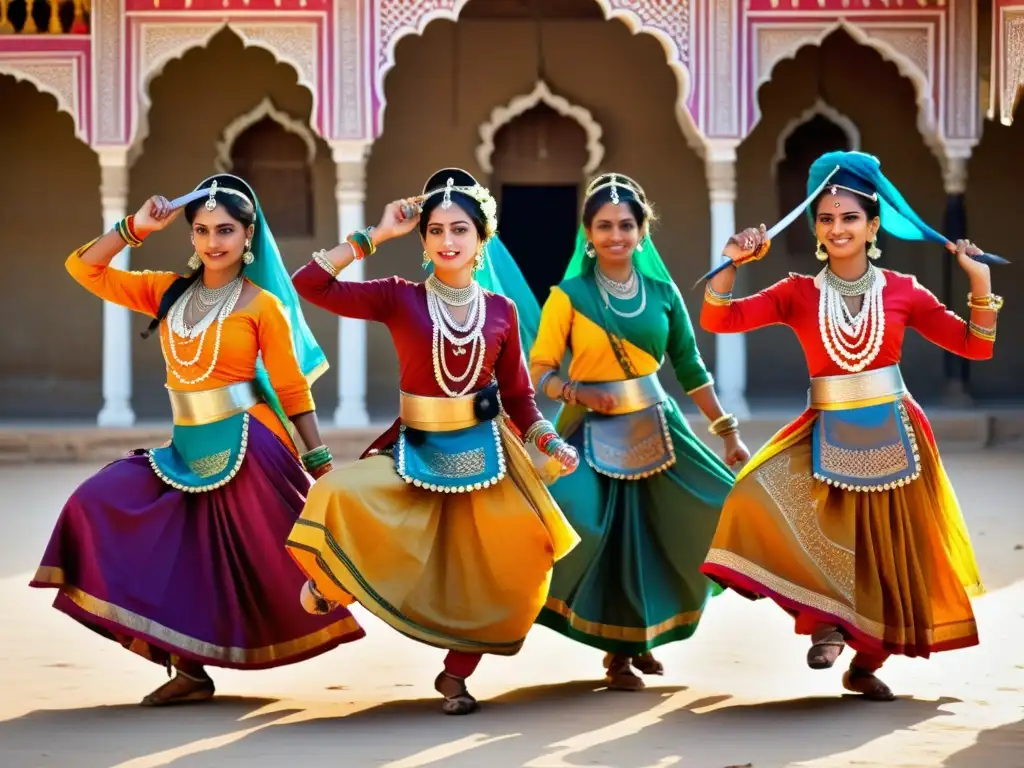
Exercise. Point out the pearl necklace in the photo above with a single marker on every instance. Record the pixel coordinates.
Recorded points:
(176, 326)
(622, 291)
(459, 335)
(852, 341)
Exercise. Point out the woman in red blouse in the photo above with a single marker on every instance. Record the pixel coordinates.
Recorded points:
(846, 517)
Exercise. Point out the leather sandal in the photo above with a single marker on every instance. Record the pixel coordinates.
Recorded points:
(462, 703)
(620, 675)
(865, 682)
(181, 689)
(646, 664)
(826, 648)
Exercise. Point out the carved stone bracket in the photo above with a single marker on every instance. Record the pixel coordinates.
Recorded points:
(1007, 58)
(61, 76)
(541, 94)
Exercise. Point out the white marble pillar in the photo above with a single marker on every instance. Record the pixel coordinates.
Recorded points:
(730, 349)
(350, 195)
(117, 343)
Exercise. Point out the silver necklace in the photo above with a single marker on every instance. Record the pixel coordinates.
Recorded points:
(455, 297)
(622, 292)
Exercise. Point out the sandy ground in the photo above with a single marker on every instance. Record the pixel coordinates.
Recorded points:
(736, 694)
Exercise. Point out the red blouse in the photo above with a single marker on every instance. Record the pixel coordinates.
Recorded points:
(402, 306)
(794, 302)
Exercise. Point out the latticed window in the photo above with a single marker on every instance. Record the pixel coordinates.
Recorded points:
(276, 163)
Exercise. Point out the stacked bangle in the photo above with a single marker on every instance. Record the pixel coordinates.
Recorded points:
(985, 334)
(538, 429)
(724, 425)
(569, 391)
(362, 244)
(126, 229)
(320, 257)
(316, 458)
(713, 297)
(990, 303)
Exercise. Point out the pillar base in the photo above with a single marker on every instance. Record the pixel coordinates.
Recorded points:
(351, 415)
(955, 395)
(116, 415)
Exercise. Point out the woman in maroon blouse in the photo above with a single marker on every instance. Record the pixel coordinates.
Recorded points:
(444, 529)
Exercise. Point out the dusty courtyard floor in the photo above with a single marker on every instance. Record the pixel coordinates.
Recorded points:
(738, 693)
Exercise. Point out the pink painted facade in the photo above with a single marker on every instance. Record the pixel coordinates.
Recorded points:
(721, 52)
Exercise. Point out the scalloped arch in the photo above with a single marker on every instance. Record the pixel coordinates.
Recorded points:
(189, 42)
(633, 22)
(541, 94)
(815, 35)
(20, 73)
(265, 109)
(822, 109)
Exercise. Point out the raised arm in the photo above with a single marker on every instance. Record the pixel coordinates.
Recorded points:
(138, 291)
(973, 339)
(371, 300)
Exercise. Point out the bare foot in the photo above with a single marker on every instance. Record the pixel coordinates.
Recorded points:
(457, 699)
(180, 689)
(865, 683)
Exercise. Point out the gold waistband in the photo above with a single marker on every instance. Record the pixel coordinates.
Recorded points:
(193, 409)
(437, 414)
(856, 390)
(632, 395)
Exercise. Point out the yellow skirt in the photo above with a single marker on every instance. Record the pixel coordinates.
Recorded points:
(466, 572)
(892, 568)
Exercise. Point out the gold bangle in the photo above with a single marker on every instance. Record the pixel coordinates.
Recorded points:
(990, 303)
(722, 423)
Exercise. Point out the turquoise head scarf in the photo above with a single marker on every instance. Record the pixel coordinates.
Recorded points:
(267, 271)
(862, 173)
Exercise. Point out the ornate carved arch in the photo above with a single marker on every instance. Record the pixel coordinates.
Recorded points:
(668, 23)
(295, 43)
(907, 45)
(541, 94)
(265, 109)
(60, 78)
(825, 110)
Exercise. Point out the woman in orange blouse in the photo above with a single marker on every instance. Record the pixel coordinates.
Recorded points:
(177, 552)
(846, 518)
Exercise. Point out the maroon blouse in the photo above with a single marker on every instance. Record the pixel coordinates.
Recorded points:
(402, 306)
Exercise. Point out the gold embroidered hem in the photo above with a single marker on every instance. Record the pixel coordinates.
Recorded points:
(138, 630)
(624, 634)
(892, 567)
(466, 572)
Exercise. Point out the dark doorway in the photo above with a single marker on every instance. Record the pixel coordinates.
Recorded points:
(538, 225)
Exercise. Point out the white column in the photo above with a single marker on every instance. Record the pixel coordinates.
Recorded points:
(350, 194)
(731, 348)
(117, 325)
(954, 160)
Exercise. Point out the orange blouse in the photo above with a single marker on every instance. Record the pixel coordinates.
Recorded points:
(258, 328)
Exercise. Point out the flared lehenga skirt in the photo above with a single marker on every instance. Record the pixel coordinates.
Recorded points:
(892, 568)
(634, 583)
(466, 571)
(198, 576)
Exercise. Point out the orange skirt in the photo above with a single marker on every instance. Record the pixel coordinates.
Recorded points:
(893, 569)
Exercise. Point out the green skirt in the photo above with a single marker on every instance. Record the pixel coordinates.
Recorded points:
(634, 583)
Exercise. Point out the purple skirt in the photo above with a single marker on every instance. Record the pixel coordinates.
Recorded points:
(201, 576)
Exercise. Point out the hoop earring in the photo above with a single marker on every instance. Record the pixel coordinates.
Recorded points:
(874, 252)
(426, 260)
(194, 262)
(590, 250)
(820, 253)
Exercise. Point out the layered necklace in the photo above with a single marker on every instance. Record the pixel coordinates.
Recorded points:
(623, 291)
(466, 339)
(853, 341)
(191, 317)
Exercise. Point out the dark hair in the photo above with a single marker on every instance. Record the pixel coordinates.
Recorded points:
(635, 200)
(472, 208)
(846, 182)
(242, 210)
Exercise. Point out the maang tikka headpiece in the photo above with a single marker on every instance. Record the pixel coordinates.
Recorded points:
(211, 201)
(615, 191)
(446, 202)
